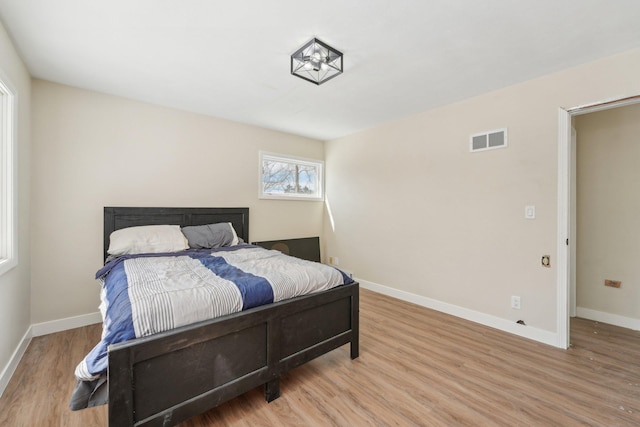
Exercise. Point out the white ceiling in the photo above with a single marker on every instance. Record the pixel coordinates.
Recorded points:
(230, 58)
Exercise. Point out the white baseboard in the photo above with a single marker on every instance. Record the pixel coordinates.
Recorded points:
(535, 334)
(612, 319)
(60, 325)
(40, 329)
(8, 371)
(510, 326)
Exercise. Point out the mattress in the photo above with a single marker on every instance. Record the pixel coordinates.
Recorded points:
(150, 293)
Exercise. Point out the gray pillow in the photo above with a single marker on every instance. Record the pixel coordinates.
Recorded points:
(210, 235)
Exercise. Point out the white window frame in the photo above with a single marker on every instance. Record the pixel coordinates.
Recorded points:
(319, 180)
(8, 171)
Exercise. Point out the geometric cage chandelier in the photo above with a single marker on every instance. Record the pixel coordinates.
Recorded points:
(316, 62)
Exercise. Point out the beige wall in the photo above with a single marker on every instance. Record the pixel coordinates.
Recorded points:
(14, 285)
(415, 211)
(608, 210)
(92, 150)
(407, 195)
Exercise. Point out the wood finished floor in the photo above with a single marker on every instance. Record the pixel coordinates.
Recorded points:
(416, 367)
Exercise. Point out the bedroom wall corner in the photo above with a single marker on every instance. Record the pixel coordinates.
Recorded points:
(525, 331)
(93, 150)
(15, 292)
(415, 211)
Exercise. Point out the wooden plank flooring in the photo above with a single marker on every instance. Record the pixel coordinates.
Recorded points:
(417, 368)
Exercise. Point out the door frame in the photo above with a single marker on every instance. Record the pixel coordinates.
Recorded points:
(566, 216)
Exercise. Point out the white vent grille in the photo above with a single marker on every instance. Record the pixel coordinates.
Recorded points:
(488, 140)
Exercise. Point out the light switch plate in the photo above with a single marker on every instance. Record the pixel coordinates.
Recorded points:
(530, 212)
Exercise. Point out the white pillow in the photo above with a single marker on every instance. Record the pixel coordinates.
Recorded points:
(147, 239)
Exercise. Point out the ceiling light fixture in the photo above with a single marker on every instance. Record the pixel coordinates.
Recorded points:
(316, 62)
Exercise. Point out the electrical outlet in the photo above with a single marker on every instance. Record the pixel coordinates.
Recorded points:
(515, 302)
(336, 260)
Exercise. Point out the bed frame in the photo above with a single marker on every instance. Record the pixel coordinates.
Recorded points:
(167, 378)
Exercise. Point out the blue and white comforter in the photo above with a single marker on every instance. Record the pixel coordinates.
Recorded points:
(146, 294)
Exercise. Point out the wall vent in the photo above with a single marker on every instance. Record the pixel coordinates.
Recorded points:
(488, 140)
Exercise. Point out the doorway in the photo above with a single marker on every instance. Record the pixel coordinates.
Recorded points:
(567, 212)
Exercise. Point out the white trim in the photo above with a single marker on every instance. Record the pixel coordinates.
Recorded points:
(564, 205)
(40, 329)
(285, 158)
(540, 335)
(573, 225)
(60, 325)
(564, 211)
(14, 360)
(8, 179)
(611, 319)
(603, 105)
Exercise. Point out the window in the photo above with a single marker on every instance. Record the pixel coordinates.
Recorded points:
(287, 177)
(8, 252)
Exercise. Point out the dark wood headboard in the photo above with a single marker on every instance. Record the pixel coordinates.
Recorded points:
(306, 248)
(116, 218)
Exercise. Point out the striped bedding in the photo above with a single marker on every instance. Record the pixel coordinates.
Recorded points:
(146, 294)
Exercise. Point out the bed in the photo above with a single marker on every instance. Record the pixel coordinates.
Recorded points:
(166, 378)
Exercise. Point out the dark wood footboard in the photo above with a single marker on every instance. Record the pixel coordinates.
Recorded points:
(169, 377)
